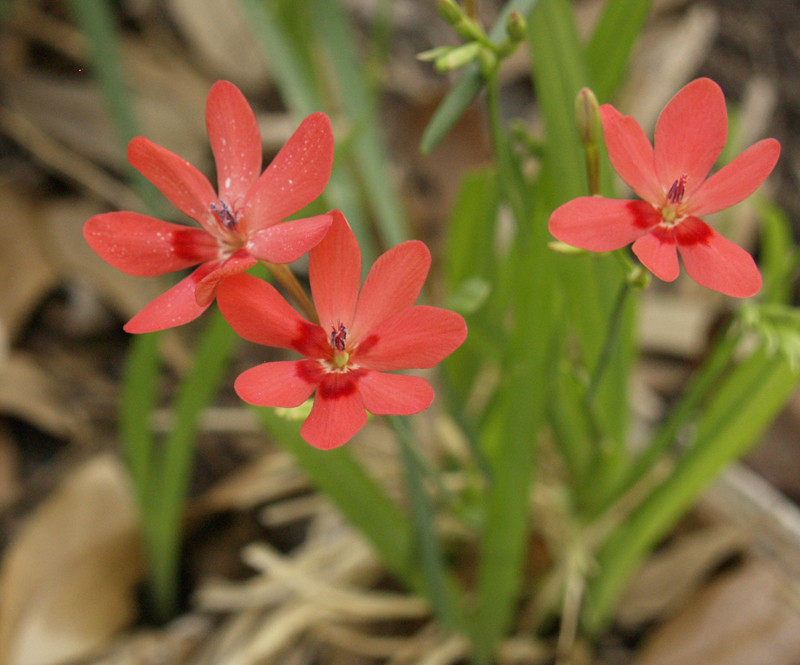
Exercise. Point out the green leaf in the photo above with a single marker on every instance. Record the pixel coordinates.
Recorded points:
(301, 93)
(355, 493)
(612, 41)
(359, 103)
(138, 399)
(170, 477)
(470, 83)
(740, 411)
(442, 589)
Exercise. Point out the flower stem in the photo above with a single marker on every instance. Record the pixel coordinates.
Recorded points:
(612, 335)
(286, 278)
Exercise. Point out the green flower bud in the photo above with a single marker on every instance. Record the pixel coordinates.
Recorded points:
(450, 11)
(458, 57)
(587, 117)
(517, 26)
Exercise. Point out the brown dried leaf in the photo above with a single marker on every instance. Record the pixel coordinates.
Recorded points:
(68, 578)
(218, 31)
(743, 618)
(671, 575)
(29, 393)
(25, 273)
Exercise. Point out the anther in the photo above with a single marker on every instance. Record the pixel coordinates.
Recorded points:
(225, 214)
(338, 337)
(676, 192)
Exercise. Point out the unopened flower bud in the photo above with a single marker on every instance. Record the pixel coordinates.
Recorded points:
(450, 11)
(587, 117)
(639, 278)
(458, 57)
(434, 53)
(564, 248)
(517, 26)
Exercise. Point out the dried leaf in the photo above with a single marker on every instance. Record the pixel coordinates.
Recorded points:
(67, 580)
(218, 31)
(743, 618)
(671, 575)
(25, 273)
(29, 393)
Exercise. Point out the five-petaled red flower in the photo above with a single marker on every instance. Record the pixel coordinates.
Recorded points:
(361, 336)
(240, 226)
(671, 178)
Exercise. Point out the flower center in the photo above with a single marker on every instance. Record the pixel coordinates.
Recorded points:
(671, 211)
(678, 189)
(339, 344)
(225, 214)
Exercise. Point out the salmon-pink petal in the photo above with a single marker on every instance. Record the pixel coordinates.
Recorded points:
(602, 225)
(284, 384)
(338, 412)
(690, 134)
(177, 179)
(235, 140)
(392, 285)
(174, 307)
(297, 175)
(395, 394)
(631, 153)
(715, 262)
(736, 181)
(334, 270)
(657, 252)
(145, 246)
(239, 262)
(416, 338)
(288, 241)
(257, 312)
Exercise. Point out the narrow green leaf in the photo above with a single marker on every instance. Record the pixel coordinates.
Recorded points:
(442, 591)
(611, 43)
(98, 23)
(301, 91)
(743, 407)
(138, 398)
(170, 477)
(470, 83)
(360, 105)
(355, 493)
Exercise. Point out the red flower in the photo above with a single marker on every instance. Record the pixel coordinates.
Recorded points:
(240, 226)
(671, 178)
(363, 335)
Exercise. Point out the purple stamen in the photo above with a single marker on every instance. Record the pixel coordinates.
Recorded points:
(225, 214)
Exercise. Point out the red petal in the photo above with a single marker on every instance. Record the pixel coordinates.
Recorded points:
(296, 176)
(284, 384)
(602, 225)
(392, 285)
(396, 394)
(239, 262)
(235, 139)
(334, 270)
(257, 312)
(736, 181)
(690, 134)
(172, 308)
(288, 241)
(338, 412)
(631, 153)
(715, 262)
(177, 179)
(145, 246)
(657, 252)
(416, 338)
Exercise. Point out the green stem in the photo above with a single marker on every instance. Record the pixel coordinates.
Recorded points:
(287, 279)
(612, 336)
